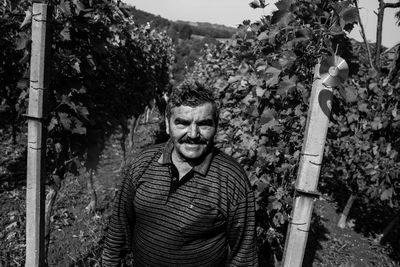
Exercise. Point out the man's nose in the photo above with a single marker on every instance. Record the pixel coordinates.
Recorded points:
(193, 131)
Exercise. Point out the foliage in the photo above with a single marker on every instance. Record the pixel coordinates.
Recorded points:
(186, 54)
(397, 14)
(212, 30)
(188, 38)
(105, 68)
(363, 147)
(263, 80)
(199, 28)
(11, 70)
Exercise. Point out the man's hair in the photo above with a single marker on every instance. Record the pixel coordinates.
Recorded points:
(191, 93)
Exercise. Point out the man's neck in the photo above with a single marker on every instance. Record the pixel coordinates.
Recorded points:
(182, 165)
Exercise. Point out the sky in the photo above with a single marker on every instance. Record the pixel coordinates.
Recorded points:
(233, 12)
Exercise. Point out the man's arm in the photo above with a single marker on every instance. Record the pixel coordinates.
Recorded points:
(120, 228)
(242, 233)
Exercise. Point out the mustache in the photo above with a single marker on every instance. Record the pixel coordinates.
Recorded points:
(193, 141)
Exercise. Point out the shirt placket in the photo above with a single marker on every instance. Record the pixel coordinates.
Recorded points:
(175, 181)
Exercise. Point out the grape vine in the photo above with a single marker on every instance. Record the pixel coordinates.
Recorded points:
(104, 70)
(263, 80)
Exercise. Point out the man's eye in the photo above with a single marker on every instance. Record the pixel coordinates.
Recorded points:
(180, 122)
(206, 123)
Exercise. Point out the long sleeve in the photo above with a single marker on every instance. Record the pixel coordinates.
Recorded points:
(118, 241)
(119, 235)
(242, 233)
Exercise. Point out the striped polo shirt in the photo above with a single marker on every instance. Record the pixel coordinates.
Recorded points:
(206, 218)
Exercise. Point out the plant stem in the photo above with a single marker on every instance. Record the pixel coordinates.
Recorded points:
(389, 228)
(92, 191)
(133, 125)
(381, 13)
(346, 211)
(50, 200)
(362, 31)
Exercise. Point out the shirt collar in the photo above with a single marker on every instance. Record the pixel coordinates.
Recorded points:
(201, 168)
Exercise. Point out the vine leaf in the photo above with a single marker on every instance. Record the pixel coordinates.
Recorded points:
(347, 14)
(65, 8)
(263, 35)
(91, 61)
(350, 94)
(243, 68)
(65, 120)
(272, 76)
(76, 66)
(387, 194)
(260, 91)
(221, 85)
(255, 4)
(79, 6)
(284, 5)
(65, 34)
(13, 4)
(363, 107)
(248, 142)
(287, 85)
(376, 124)
(268, 115)
(272, 124)
(258, 4)
(78, 127)
(22, 41)
(25, 57)
(276, 205)
(281, 18)
(236, 78)
(23, 84)
(52, 124)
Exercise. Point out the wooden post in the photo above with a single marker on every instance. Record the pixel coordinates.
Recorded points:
(308, 173)
(39, 82)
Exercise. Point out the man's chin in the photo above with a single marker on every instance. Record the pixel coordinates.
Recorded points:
(192, 152)
(193, 147)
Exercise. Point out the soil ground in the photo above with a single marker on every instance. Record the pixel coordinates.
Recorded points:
(77, 236)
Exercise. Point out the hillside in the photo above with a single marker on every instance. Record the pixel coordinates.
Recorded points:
(198, 28)
(188, 37)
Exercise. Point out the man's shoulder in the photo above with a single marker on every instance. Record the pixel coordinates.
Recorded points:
(228, 163)
(145, 155)
(230, 171)
(150, 150)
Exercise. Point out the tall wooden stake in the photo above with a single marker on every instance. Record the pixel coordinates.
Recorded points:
(308, 173)
(39, 82)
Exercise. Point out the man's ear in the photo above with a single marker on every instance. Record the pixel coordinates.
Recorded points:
(167, 124)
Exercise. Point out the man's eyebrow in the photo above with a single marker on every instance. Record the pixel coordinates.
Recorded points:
(205, 121)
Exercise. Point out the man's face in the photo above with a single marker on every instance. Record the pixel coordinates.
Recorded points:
(192, 130)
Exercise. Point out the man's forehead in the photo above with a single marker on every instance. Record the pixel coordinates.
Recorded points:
(206, 108)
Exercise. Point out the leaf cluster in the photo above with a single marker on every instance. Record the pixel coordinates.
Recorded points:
(363, 147)
(104, 69)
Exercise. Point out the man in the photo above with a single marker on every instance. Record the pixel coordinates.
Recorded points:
(184, 203)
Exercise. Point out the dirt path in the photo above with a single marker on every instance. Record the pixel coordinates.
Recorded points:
(331, 246)
(77, 236)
